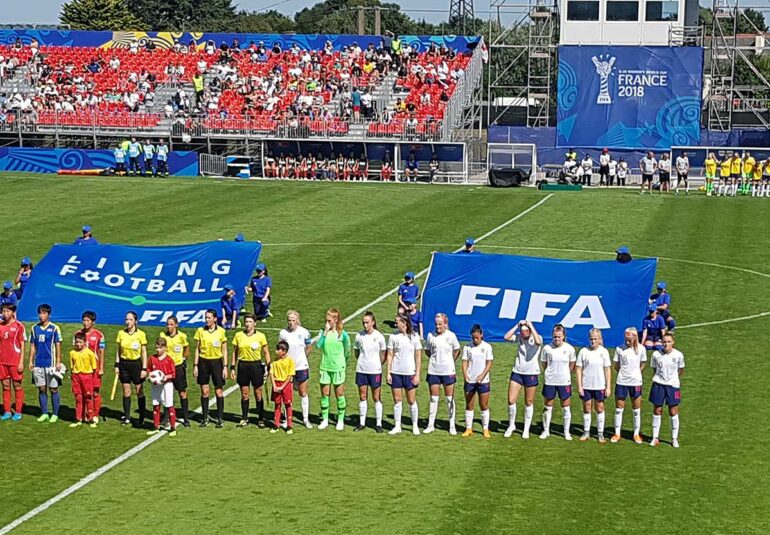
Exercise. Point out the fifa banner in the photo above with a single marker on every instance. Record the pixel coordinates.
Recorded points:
(629, 97)
(155, 282)
(497, 291)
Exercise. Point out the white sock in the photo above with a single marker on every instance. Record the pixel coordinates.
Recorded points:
(600, 422)
(512, 415)
(433, 409)
(485, 420)
(450, 408)
(378, 412)
(618, 420)
(529, 410)
(397, 408)
(414, 411)
(586, 422)
(305, 402)
(655, 426)
(567, 419)
(675, 427)
(637, 421)
(362, 408)
(468, 419)
(547, 413)
(753, 190)
(719, 189)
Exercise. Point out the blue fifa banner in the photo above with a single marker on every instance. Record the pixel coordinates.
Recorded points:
(629, 97)
(497, 291)
(155, 282)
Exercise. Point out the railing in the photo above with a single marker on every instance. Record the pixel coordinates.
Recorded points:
(463, 93)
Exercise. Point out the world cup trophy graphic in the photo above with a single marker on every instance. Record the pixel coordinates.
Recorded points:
(603, 69)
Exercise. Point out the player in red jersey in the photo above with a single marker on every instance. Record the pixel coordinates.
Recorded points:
(163, 393)
(12, 338)
(94, 342)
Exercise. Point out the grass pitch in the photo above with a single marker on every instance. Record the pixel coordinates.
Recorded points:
(345, 245)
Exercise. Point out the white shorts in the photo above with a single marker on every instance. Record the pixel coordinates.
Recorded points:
(163, 394)
(43, 377)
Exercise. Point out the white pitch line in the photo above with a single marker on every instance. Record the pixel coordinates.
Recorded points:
(719, 322)
(424, 271)
(142, 445)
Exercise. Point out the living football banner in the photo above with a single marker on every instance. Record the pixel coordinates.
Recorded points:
(155, 282)
(629, 97)
(497, 291)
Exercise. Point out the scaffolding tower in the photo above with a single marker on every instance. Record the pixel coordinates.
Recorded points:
(522, 60)
(728, 56)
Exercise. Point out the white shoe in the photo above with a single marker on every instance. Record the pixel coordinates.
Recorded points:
(585, 436)
(544, 435)
(567, 436)
(308, 424)
(395, 431)
(675, 443)
(429, 429)
(284, 424)
(525, 435)
(340, 425)
(323, 425)
(453, 431)
(509, 431)
(415, 430)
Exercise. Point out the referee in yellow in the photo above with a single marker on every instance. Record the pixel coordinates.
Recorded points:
(131, 366)
(251, 358)
(178, 348)
(211, 364)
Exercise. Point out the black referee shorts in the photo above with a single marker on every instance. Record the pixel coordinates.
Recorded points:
(251, 373)
(180, 380)
(130, 371)
(210, 370)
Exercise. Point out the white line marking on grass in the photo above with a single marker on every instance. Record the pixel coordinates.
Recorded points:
(96, 473)
(719, 322)
(424, 271)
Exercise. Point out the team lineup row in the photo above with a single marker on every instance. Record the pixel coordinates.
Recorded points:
(399, 360)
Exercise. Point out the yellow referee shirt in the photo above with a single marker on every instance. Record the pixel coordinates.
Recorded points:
(131, 344)
(711, 167)
(282, 369)
(735, 166)
(748, 166)
(724, 169)
(249, 346)
(211, 342)
(175, 346)
(83, 361)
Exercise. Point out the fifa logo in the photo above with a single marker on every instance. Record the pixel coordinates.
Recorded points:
(604, 69)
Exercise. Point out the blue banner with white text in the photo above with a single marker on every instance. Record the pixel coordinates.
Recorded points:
(630, 97)
(155, 282)
(497, 291)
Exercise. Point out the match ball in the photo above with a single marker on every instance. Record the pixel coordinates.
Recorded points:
(156, 377)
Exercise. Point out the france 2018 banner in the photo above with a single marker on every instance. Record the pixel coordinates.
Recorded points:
(155, 282)
(629, 97)
(497, 291)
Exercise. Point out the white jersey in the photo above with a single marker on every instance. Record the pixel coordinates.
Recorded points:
(557, 360)
(613, 166)
(369, 348)
(667, 366)
(630, 361)
(298, 340)
(648, 165)
(526, 362)
(682, 164)
(587, 165)
(593, 362)
(604, 159)
(665, 166)
(477, 357)
(622, 169)
(404, 349)
(442, 348)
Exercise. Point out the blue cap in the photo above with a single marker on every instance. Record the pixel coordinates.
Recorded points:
(229, 288)
(623, 249)
(469, 242)
(652, 307)
(86, 228)
(7, 285)
(26, 261)
(239, 237)
(661, 285)
(409, 275)
(259, 267)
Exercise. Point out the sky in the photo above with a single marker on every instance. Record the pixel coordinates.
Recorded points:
(47, 11)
